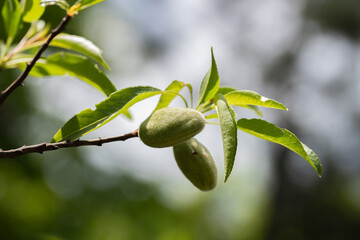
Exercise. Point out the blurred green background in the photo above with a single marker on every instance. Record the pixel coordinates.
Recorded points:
(305, 54)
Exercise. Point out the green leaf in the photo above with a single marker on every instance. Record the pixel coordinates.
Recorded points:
(284, 137)
(171, 92)
(88, 3)
(252, 107)
(18, 59)
(32, 10)
(245, 97)
(228, 131)
(60, 3)
(225, 90)
(127, 114)
(11, 13)
(73, 65)
(188, 85)
(38, 28)
(79, 44)
(210, 83)
(115, 104)
(212, 116)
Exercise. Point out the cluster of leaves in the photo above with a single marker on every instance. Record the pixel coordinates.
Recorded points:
(77, 63)
(212, 96)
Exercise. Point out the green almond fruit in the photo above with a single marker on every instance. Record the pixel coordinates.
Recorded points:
(167, 127)
(197, 164)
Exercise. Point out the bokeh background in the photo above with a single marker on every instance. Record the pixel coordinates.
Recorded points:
(305, 54)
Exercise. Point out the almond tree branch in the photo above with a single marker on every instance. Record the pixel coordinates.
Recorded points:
(19, 81)
(43, 147)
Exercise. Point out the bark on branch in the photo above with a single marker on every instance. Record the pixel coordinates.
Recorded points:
(20, 80)
(43, 147)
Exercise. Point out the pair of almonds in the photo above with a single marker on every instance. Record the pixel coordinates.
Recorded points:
(176, 127)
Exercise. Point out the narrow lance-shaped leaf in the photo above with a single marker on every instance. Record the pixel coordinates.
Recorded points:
(228, 131)
(170, 94)
(88, 119)
(18, 59)
(37, 30)
(254, 108)
(121, 112)
(11, 14)
(188, 85)
(212, 116)
(88, 3)
(32, 10)
(210, 83)
(60, 3)
(284, 137)
(245, 97)
(79, 44)
(226, 90)
(73, 65)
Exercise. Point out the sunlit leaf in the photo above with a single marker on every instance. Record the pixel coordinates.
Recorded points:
(60, 3)
(127, 114)
(228, 132)
(18, 59)
(79, 44)
(252, 107)
(88, 3)
(73, 65)
(212, 116)
(210, 83)
(32, 10)
(11, 14)
(38, 28)
(225, 90)
(284, 137)
(170, 94)
(120, 112)
(115, 104)
(245, 97)
(188, 85)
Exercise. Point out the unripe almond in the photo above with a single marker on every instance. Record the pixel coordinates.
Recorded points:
(197, 164)
(167, 127)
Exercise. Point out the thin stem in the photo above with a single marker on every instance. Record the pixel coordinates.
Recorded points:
(43, 147)
(19, 81)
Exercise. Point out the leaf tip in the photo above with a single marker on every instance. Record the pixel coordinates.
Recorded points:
(319, 171)
(226, 178)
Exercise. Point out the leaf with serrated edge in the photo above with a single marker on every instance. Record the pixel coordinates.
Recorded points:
(246, 97)
(210, 83)
(268, 131)
(228, 132)
(170, 94)
(79, 44)
(115, 104)
(73, 65)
